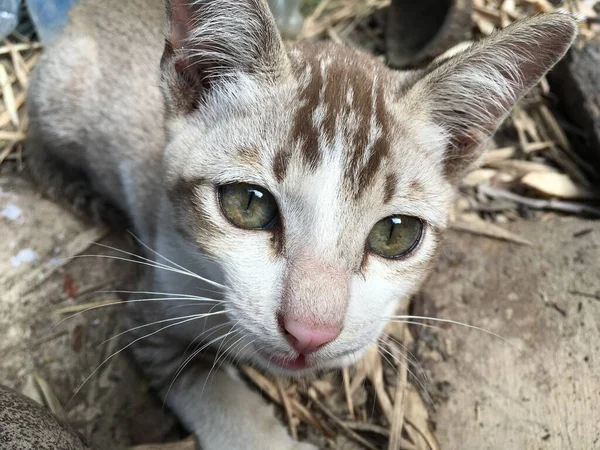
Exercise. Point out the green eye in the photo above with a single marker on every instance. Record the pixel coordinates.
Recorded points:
(248, 206)
(395, 236)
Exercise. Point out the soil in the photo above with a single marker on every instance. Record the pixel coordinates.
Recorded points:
(537, 389)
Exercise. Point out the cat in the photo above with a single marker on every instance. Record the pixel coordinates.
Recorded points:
(289, 197)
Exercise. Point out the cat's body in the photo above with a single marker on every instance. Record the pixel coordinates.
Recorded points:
(345, 149)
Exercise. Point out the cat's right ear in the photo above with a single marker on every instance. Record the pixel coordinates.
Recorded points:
(468, 95)
(210, 43)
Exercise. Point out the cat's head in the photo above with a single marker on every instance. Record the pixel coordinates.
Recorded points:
(318, 179)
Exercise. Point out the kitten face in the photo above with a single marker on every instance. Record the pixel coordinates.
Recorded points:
(338, 151)
(339, 143)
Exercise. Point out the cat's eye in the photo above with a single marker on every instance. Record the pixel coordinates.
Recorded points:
(248, 206)
(395, 236)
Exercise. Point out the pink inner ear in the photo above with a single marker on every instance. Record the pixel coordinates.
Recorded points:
(181, 18)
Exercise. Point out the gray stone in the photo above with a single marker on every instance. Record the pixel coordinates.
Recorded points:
(576, 81)
(25, 425)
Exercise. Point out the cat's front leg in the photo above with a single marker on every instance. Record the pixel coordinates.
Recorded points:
(224, 413)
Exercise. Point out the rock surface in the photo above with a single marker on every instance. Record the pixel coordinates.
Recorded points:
(541, 391)
(25, 425)
(576, 81)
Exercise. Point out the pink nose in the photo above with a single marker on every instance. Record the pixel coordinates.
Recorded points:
(306, 339)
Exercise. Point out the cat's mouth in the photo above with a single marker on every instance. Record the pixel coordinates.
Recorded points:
(295, 364)
(303, 363)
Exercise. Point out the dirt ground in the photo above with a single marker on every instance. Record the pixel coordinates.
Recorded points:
(40, 280)
(538, 389)
(541, 388)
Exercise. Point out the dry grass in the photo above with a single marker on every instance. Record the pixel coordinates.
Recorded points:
(533, 168)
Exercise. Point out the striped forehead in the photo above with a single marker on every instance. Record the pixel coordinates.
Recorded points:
(341, 118)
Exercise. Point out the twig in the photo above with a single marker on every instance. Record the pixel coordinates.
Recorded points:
(186, 444)
(585, 294)
(369, 427)
(312, 393)
(8, 96)
(399, 399)
(349, 402)
(265, 385)
(19, 47)
(489, 230)
(288, 408)
(552, 204)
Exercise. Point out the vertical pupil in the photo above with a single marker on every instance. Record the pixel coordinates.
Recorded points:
(250, 198)
(391, 231)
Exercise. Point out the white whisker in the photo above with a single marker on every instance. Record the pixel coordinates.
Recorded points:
(466, 325)
(142, 263)
(214, 283)
(200, 300)
(172, 319)
(409, 356)
(224, 355)
(159, 293)
(190, 358)
(238, 354)
(407, 369)
(124, 348)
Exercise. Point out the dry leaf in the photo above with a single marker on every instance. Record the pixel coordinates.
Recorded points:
(77, 338)
(488, 229)
(186, 444)
(374, 368)
(417, 416)
(522, 167)
(557, 185)
(498, 154)
(479, 176)
(70, 286)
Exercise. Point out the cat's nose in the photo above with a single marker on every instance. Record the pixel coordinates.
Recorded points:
(306, 339)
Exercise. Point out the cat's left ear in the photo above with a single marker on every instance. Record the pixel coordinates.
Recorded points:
(213, 42)
(469, 95)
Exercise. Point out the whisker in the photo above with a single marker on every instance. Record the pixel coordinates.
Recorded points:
(122, 349)
(214, 283)
(224, 354)
(211, 331)
(198, 350)
(420, 324)
(466, 325)
(160, 293)
(139, 300)
(238, 354)
(185, 305)
(237, 331)
(135, 255)
(407, 369)
(204, 330)
(189, 359)
(142, 263)
(410, 357)
(140, 259)
(172, 319)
